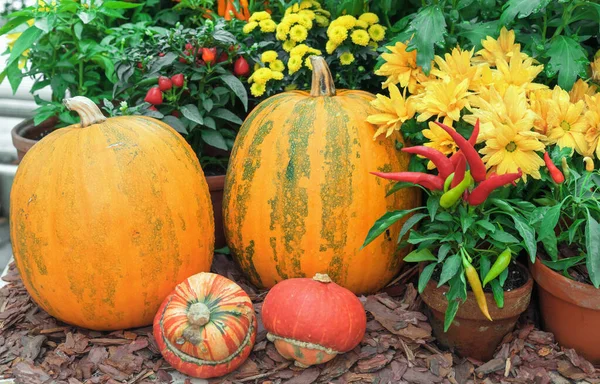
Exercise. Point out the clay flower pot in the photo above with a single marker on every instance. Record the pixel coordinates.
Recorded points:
(471, 334)
(570, 310)
(25, 135)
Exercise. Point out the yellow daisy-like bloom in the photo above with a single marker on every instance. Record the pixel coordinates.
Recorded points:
(288, 45)
(284, 28)
(457, 66)
(377, 32)
(400, 67)
(440, 140)
(277, 66)
(346, 21)
(257, 89)
(393, 112)
(308, 64)
(314, 51)
(502, 48)
(361, 24)
(592, 116)
(299, 50)
(443, 99)
(346, 58)
(595, 69)
(580, 89)
(259, 16)
(540, 102)
(278, 75)
(305, 22)
(292, 19)
(268, 56)
(518, 71)
(298, 33)
(267, 26)
(330, 47)
(369, 18)
(511, 149)
(307, 13)
(567, 125)
(249, 27)
(294, 64)
(262, 75)
(322, 21)
(337, 34)
(360, 37)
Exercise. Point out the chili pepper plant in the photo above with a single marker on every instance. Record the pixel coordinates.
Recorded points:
(469, 232)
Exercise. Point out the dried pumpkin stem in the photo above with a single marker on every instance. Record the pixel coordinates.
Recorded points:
(198, 314)
(88, 111)
(322, 277)
(322, 81)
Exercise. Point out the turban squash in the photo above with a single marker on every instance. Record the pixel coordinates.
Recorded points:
(107, 217)
(299, 198)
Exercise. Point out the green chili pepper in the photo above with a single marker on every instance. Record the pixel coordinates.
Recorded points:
(500, 265)
(450, 197)
(448, 182)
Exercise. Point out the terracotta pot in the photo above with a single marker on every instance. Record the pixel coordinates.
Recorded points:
(25, 135)
(570, 310)
(471, 334)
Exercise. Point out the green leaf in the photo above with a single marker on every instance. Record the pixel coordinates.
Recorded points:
(432, 206)
(521, 8)
(450, 314)
(214, 138)
(592, 245)
(504, 237)
(443, 252)
(43, 24)
(23, 43)
(457, 291)
(425, 276)
(207, 104)
(191, 112)
(226, 114)
(237, 87)
(549, 221)
(475, 32)
(503, 276)
(429, 26)
(86, 17)
(410, 222)
(78, 29)
(384, 222)
(528, 234)
(420, 255)
(568, 58)
(550, 245)
(121, 5)
(498, 293)
(13, 23)
(451, 266)
(162, 62)
(14, 76)
(210, 122)
(398, 186)
(486, 225)
(175, 123)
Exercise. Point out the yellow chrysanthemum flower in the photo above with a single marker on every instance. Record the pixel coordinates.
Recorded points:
(401, 67)
(267, 26)
(249, 27)
(369, 18)
(337, 34)
(259, 16)
(307, 13)
(299, 50)
(257, 89)
(262, 75)
(277, 66)
(284, 28)
(360, 37)
(443, 99)
(346, 58)
(373, 45)
(292, 19)
(457, 66)
(268, 56)
(288, 45)
(580, 89)
(592, 116)
(540, 102)
(595, 69)
(567, 125)
(278, 75)
(298, 33)
(308, 63)
(281, 36)
(496, 49)
(518, 71)
(305, 22)
(361, 24)
(346, 21)
(440, 140)
(314, 51)
(294, 64)
(330, 47)
(322, 21)
(510, 149)
(393, 112)
(377, 32)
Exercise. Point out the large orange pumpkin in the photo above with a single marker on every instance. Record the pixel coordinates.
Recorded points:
(107, 217)
(299, 198)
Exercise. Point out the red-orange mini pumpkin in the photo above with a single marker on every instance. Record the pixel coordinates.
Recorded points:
(312, 320)
(206, 327)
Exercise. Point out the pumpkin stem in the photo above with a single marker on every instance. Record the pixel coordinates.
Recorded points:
(322, 81)
(198, 314)
(88, 111)
(322, 277)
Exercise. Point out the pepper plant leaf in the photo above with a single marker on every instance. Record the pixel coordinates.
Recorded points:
(568, 58)
(425, 276)
(23, 43)
(419, 255)
(429, 27)
(528, 234)
(414, 219)
(521, 9)
(450, 268)
(592, 245)
(384, 222)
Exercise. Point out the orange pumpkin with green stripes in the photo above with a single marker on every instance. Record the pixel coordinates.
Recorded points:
(206, 327)
(299, 198)
(107, 217)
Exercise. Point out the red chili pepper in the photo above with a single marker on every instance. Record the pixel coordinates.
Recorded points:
(459, 171)
(182, 60)
(178, 80)
(209, 55)
(555, 173)
(161, 54)
(153, 108)
(140, 65)
(428, 181)
(175, 113)
(483, 190)
(164, 83)
(154, 96)
(241, 67)
(472, 140)
(442, 163)
(223, 57)
(475, 163)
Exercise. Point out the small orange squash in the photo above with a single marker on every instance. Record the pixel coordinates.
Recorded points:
(299, 198)
(206, 327)
(107, 217)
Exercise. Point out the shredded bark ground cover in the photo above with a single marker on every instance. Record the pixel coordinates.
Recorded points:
(397, 348)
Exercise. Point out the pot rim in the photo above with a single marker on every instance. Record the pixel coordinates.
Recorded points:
(571, 291)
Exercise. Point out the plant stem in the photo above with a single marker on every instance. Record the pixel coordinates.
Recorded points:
(545, 26)
(80, 77)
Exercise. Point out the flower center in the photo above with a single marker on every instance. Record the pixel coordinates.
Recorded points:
(565, 126)
(510, 147)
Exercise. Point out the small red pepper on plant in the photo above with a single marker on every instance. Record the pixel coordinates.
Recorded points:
(475, 163)
(241, 67)
(483, 190)
(154, 96)
(178, 80)
(164, 83)
(426, 180)
(555, 173)
(209, 55)
(459, 170)
(472, 140)
(223, 57)
(441, 162)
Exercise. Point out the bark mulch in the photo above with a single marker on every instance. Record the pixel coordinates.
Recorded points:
(397, 348)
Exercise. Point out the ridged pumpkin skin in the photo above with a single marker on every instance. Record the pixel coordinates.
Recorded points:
(310, 321)
(299, 198)
(107, 219)
(206, 327)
